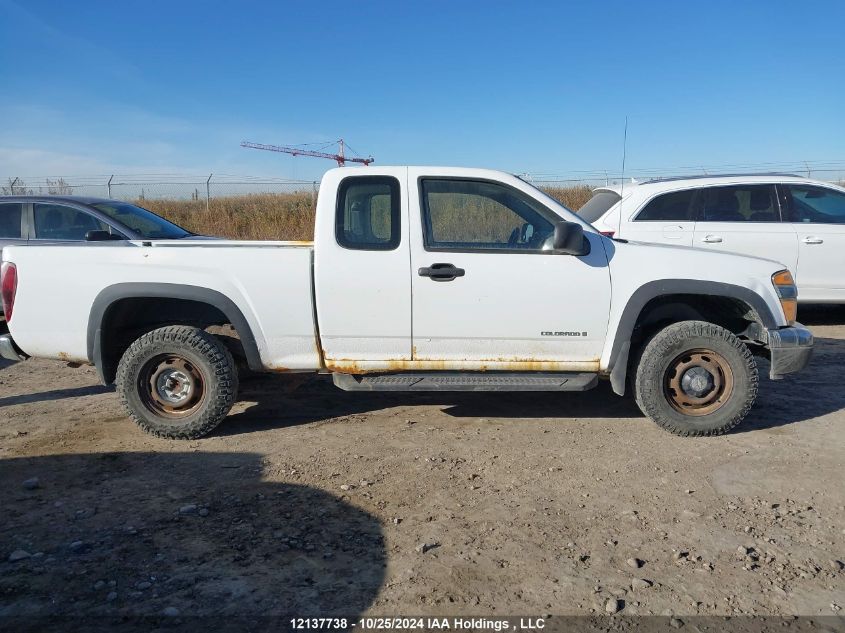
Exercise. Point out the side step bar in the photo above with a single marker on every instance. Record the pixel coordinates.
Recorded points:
(465, 381)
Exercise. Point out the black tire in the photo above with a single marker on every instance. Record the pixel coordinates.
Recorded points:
(176, 362)
(726, 389)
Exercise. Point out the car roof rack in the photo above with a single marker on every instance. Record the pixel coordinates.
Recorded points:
(734, 175)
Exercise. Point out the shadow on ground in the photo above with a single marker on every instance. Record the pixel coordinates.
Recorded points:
(56, 394)
(821, 314)
(143, 534)
(811, 393)
(317, 399)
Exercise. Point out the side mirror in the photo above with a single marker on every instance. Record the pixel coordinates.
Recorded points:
(101, 236)
(569, 239)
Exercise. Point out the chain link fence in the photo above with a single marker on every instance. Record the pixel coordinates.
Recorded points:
(203, 189)
(242, 207)
(157, 187)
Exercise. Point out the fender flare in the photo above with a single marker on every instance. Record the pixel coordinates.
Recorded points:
(622, 341)
(148, 290)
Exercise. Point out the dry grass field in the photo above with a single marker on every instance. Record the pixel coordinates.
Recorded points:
(288, 216)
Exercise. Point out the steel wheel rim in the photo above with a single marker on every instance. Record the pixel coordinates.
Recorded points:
(171, 386)
(698, 382)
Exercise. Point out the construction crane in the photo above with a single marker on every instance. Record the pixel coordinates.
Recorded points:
(298, 151)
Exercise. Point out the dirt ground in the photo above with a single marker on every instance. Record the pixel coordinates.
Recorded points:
(314, 501)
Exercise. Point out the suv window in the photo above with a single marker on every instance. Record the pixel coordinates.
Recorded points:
(739, 203)
(479, 215)
(598, 205)
(368, 213)
(818, 205)
(10, 220)
(60, 222)
(672, 207)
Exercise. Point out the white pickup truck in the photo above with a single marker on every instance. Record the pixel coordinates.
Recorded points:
(419, 278)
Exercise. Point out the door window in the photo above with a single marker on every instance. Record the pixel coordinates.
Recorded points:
(669, 207)
(60, 222)
(368, 213)
(479, 215)
(741, 203)
(815, 205)
(10, 220)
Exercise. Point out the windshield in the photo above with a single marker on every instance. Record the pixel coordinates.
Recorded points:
(146, 223)
(598, 205)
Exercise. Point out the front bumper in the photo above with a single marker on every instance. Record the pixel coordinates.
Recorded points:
(9, 350)
(790, 349)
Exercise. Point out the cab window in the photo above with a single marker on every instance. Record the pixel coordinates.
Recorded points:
(470, 215)
(368, 213)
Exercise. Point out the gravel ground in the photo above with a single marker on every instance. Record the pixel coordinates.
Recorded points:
(310, 500)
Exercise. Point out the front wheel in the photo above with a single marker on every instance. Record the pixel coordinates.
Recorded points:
(177, 382)
(696, 378)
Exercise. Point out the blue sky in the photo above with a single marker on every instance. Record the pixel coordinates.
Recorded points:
(147, 86)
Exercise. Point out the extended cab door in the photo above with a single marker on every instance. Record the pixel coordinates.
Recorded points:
(667, 218)
(488, 293)
(745, 219)
(817, 216)
(362, 269)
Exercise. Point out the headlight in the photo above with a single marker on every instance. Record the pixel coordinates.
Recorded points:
(785, 287)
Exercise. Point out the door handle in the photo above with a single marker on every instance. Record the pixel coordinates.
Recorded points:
(441, 272)
(813, 240)
(711, 239)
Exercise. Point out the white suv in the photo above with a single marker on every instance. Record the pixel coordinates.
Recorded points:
(792, 220)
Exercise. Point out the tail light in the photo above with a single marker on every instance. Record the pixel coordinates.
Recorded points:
(9, 284)
(608, 233)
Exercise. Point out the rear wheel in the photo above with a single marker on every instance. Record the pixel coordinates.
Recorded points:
(696, 378)
(177, 382)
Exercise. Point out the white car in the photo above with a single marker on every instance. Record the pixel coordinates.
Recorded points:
(796, 221)
(419, 278)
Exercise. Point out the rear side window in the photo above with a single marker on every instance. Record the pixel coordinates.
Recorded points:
(368, 213)
(10, 220)
(59, 222)
(673, 207)
(815, 205)
(740, 203)
(598, 205)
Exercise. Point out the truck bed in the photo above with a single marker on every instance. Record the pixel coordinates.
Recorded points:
(269, 282)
